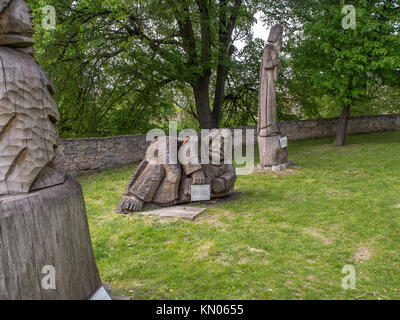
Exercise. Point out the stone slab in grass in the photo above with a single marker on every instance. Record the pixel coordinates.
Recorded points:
(184, 212)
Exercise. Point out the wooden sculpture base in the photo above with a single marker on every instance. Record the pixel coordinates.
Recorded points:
(46, 228)
(272, 156)
(280, 167)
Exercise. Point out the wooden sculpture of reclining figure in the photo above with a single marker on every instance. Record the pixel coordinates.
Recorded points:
(158, 183)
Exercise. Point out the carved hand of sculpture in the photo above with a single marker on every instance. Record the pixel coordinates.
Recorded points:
(218, 185)
(198, 177)
(133, 204)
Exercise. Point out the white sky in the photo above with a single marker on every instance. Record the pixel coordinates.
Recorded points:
(259, 31)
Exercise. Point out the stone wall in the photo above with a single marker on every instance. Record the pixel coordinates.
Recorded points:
(81, 156)
(321, 128)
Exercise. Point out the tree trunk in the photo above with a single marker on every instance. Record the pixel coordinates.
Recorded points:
(202, 99)
(342, 127)
(219, 95)
(222, 74)
(41, 230)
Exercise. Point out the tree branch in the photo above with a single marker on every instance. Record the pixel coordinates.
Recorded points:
(185, 26)
(206, 41)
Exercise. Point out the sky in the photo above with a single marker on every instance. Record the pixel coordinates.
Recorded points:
(259, 31)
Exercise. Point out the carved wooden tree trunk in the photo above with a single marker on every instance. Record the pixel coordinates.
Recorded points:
(46, 228)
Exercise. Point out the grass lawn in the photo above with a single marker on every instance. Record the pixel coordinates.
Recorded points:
(286, 236)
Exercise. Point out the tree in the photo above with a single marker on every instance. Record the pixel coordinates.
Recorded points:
(104, 85)
(347, 64)
(195, 40)
(124, 49)
(123, 67)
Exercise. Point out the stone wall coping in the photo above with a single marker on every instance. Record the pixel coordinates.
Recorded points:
(104, 138)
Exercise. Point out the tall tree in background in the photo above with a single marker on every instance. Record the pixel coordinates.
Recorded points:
(123, 49)
(123, 67)
(195, 39)
(106, 84)
(347, 62)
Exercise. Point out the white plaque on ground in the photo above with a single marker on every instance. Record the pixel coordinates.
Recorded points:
(283, 142)
(200, 192)
(101, 294)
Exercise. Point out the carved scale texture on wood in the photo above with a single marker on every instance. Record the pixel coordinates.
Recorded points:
(42, 215)
(28, 112)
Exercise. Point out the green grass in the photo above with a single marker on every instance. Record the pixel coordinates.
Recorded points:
(286, 236)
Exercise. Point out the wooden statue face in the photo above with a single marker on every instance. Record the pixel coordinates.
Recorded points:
(276, 35)
(16, 25)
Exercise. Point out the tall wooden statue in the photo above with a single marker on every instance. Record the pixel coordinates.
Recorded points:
(272, 144)
(45, 247)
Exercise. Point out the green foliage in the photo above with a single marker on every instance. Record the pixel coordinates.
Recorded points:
(107, 83)
(123, 67)
(118, 66)
(331, 67)
(241, 99)
(324, 66)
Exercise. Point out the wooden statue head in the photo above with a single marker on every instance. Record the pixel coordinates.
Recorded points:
(16, 25)
(276, 34)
